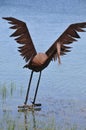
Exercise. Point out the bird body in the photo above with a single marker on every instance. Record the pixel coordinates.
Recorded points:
(39, 61)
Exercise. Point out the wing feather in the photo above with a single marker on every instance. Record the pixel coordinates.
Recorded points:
(23, 37)
(70, 35)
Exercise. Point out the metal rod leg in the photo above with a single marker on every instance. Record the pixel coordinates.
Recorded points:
(28, 89)
(37, 88)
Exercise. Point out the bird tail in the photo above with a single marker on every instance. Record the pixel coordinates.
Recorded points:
(26, 66)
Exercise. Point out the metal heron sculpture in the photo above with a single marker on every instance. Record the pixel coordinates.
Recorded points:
(39, 61)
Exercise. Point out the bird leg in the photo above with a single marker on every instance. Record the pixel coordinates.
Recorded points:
(36, 89)
(28, 88)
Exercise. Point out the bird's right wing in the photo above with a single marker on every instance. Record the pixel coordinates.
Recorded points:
(60, 46)
(22, 37)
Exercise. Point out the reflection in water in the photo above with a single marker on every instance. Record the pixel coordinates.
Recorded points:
(32, 113)
(33, 121)
(25, 121)
(65, 111)
(4, 92)
(7, 91)
(26, 127)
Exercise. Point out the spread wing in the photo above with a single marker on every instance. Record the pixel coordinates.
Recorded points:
(61, 45)
(23, 37)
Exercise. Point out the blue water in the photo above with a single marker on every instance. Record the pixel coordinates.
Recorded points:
(63, 88)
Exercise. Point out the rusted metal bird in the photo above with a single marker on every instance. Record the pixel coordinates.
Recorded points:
(39, 61)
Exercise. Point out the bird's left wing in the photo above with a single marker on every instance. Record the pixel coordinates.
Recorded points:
(60, 46)
(22, 37)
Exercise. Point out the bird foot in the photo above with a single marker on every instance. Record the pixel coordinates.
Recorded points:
(36, 105)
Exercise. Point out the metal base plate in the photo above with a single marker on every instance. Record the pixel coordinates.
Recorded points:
(36, 107)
